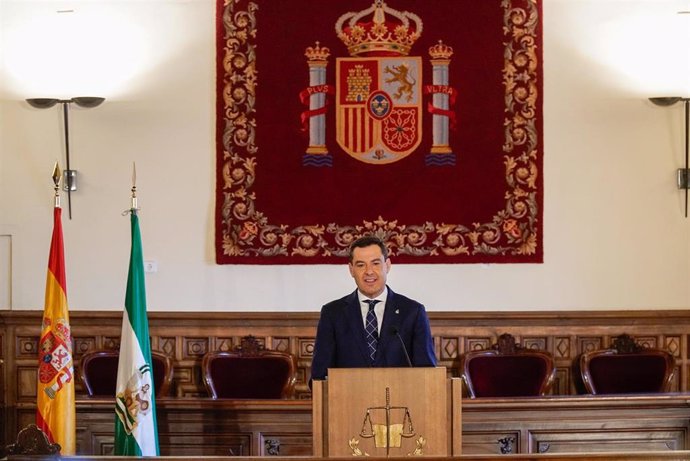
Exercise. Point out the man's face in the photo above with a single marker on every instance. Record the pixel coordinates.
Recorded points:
(370, 270)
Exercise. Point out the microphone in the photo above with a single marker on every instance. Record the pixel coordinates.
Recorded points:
(396, 332)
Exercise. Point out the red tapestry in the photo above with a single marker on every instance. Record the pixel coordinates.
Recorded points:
(417, 121)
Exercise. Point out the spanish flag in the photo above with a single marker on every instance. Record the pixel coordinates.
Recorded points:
(55, 412)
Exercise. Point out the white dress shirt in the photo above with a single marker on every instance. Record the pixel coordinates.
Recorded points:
(379, 308)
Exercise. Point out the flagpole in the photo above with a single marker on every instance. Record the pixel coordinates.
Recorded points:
(55, 399)
(56, 181)
(134, 188)
(136, 431)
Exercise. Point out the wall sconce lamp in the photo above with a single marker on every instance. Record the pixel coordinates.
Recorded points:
(683, 173)
(70, 176)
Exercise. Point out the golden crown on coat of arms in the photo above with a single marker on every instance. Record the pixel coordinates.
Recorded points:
(317, 53)
(379, 31)
(440, 51)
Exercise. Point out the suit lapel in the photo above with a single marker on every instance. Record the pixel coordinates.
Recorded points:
(391, 318)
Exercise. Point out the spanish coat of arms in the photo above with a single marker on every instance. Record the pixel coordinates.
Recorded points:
(378, 91)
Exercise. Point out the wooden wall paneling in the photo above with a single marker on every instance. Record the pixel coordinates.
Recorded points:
(673, 344)
(535, 342)
(478, 343)
(280, 444)
(4, 423)
(449, 348)
(225, 343)
(304, 351)
(490, 426)
(111, 342)
(282, 344)
(220, 445)
(187, 336)
(83, 344)
(576, 424)
(561, 383)
(570, 440)
(167, 345)
(562, 347)
(492, 442)
(590, 343)
(184, 382)
(195, 348)
(196, 429)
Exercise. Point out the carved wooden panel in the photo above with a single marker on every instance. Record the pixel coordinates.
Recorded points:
(26, 382)
(186, 337)
(196, 347)
(2, 373)
(27, 347)
(561, 347)
(166, 345)
(181, 444)
(535, 343)
(561, 384)
(475, 344)
(450, 348)
(187, 381)
(187, 344)
(591, 343)
(306, 348)
(490, 426)
(222, 344)
(111, 342)
(83, 344)
(496, 442)
(583, 424)
(280, 444)
(281, 344)
(652, 439)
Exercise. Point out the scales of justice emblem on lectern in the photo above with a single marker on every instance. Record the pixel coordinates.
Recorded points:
(387, 425)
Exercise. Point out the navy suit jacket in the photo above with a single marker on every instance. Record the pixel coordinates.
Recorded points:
(341, 339)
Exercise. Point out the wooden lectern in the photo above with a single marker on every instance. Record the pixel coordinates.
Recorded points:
(386, 412)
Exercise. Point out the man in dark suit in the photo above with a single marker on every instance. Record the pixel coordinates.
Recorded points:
(368, 327)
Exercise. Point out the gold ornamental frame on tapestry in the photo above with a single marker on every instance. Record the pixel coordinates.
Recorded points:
(246, 231)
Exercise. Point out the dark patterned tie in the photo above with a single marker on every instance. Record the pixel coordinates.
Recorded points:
(372, 328)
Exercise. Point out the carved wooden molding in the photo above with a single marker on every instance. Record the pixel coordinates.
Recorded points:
(187, 336)
(625, 344)
(32, 441)
(249, 346)
(507, 445)
(506, 344)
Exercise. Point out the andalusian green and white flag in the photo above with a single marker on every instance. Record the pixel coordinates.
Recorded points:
(136, 432)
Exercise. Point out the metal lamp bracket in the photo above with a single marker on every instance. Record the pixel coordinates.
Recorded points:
(69, 182)
(683, 174)
(70, 176)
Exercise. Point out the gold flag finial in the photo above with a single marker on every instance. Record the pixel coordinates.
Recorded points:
(56, 180)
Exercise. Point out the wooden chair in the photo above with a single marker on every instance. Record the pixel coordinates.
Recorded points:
(249, 372)
(32, 443)
(507, 370)
(626, 368)
(98, 371)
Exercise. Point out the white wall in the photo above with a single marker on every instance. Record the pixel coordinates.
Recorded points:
(614, 232)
